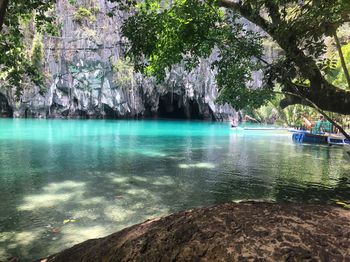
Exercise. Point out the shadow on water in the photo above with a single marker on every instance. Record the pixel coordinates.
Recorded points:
(92, 178)
(62, 214)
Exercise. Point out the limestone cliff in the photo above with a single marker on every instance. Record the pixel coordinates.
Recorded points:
(88, 76)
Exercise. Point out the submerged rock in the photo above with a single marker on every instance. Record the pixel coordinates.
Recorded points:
(228, 232)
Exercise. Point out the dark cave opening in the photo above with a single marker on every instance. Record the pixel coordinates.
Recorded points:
(5, 108)
(171, 106)
(109, 112)
(194, 110)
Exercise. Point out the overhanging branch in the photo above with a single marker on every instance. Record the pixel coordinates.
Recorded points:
(3, 7)
(310, 103)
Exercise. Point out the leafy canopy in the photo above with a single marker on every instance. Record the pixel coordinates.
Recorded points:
(336, 74)
(162, 35)
(15, 62)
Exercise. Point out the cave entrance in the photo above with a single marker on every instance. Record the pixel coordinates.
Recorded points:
(194, 110)
(5, 109)
(109, 113)
(172, 106)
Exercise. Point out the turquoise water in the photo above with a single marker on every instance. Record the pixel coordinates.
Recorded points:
(64, 181)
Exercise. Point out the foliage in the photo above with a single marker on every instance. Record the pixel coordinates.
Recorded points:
(300, 29)
(83, 13)
(163, 34)
(37, 57)
(343, 204)
(187, 30)
(72, 2)
(272, 113)
(291, 116)
(15, 65)
(337, 76)
(123, 73)
(37, 52)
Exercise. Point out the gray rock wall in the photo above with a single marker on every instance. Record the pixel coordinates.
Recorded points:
(82, 82)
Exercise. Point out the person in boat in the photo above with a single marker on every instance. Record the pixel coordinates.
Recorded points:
(318, 126)
(248, 118)
(327, 126)
(308, 124)
(233, 123)
(322, 126)
(335, 130)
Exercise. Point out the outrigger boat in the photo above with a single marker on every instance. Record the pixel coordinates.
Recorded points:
(336, 140)
(327, 139)
(265, 128)
(259, 128)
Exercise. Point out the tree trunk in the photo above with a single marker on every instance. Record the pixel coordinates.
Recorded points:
(3, 7)
(300, 99)
(342, 60)
(327, 98)
(322, 93)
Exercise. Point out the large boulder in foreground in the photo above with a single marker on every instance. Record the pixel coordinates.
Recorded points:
(228, 232)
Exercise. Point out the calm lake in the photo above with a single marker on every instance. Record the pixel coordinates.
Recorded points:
(65, 181)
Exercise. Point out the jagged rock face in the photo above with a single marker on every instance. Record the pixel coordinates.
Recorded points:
(5, 109)
(84, 81)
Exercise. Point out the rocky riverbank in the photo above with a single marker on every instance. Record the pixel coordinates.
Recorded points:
(229, 232)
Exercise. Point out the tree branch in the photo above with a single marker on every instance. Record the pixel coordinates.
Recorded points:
(246, 11)
(340, 128)
(320, 92)
(342, 60)
(3, 7)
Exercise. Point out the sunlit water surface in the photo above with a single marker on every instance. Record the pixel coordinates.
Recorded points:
(65, 181)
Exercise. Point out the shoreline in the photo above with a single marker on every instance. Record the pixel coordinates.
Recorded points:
(227, 232)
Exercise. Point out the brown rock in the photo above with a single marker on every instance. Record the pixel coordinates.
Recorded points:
(228, 232)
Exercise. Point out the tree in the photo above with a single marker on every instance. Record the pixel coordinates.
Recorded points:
(3, 7)
(339, 73)
(15, 63)
(186, 31)
(162, 35)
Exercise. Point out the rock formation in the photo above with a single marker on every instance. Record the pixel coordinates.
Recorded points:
(5, 109)
(229, 232)
(88, 76)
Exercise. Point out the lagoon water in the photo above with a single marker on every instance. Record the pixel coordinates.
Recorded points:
(65, 181)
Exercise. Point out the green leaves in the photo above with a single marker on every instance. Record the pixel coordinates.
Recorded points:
(163, 35)
(84, 13)
(335, 71)
(16, 67)
(343, 204)
(167, 37)
(123, 73)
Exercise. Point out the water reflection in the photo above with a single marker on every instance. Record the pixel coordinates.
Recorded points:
(62, 182)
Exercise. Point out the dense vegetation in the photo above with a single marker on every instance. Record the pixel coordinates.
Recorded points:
(291, 116)
(162, 34)
(188, 29)
(16, 65)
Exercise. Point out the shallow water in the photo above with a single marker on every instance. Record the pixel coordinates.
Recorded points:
(64, 181)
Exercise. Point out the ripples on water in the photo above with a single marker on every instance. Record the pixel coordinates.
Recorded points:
(62, 182)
